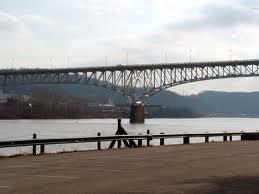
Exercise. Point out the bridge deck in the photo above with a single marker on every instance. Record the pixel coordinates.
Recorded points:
(129, 67)
(200, 168)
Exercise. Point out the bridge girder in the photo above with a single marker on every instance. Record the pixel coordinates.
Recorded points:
(134, 82)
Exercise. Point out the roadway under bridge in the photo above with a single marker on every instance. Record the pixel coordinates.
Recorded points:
(135, 82)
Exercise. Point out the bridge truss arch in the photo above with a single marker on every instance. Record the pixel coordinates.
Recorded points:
(135, 82)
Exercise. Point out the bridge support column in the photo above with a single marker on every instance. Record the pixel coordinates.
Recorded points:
(137, 114)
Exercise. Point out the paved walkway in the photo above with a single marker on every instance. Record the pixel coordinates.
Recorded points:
(226, 167)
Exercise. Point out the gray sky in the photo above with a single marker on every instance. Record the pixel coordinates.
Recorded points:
(41, 33)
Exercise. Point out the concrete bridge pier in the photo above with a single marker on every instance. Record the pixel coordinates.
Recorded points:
(137, 114)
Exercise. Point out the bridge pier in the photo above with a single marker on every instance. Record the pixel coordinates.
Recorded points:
(137, 114)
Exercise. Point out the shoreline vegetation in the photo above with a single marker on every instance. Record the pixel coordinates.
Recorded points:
(78, 102)
(35, 108)
(51, 105)
(19, 107)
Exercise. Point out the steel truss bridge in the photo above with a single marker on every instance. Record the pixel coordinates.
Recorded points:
(135, 82)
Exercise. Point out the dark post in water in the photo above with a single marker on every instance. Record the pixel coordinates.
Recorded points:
(137, 113)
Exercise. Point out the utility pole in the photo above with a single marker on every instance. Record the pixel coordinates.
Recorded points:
(106, 61)
(165, 57)
(50, 61)
(12, 62)
(190, 55)
(127, 58)
(68, 61)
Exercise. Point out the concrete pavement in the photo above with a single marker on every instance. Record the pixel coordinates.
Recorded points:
(222, 167)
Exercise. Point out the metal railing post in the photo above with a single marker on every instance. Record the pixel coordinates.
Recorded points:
(186, 140)
(99, 142)
(42, 149)
(162, 140)
(148, 139)
(139, 141)
(225, 138)
(34, 147)
(206, 139)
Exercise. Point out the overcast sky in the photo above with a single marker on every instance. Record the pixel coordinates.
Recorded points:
(41, 33)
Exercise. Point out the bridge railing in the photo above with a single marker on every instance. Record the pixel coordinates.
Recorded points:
(120, 66)
(140, 138)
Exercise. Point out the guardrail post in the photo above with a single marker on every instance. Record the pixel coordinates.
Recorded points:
(139, 141)
(206, 139)
(230, 138)
(148, 140)
(186, 140)
(34, 148)
(225, 138)
(42, 149)
(99, 142)
(162, 140)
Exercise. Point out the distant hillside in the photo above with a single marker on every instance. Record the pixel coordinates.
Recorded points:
(90, 93)
(213, 103)
(229, 102)
(208, 103)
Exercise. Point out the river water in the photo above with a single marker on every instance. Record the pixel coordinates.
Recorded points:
(23, 129)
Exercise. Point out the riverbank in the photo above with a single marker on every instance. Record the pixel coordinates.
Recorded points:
(196, 168)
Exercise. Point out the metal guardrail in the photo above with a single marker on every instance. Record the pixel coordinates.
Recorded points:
(148, 137)
(200, 135)
(132, 66)
(31, 142)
